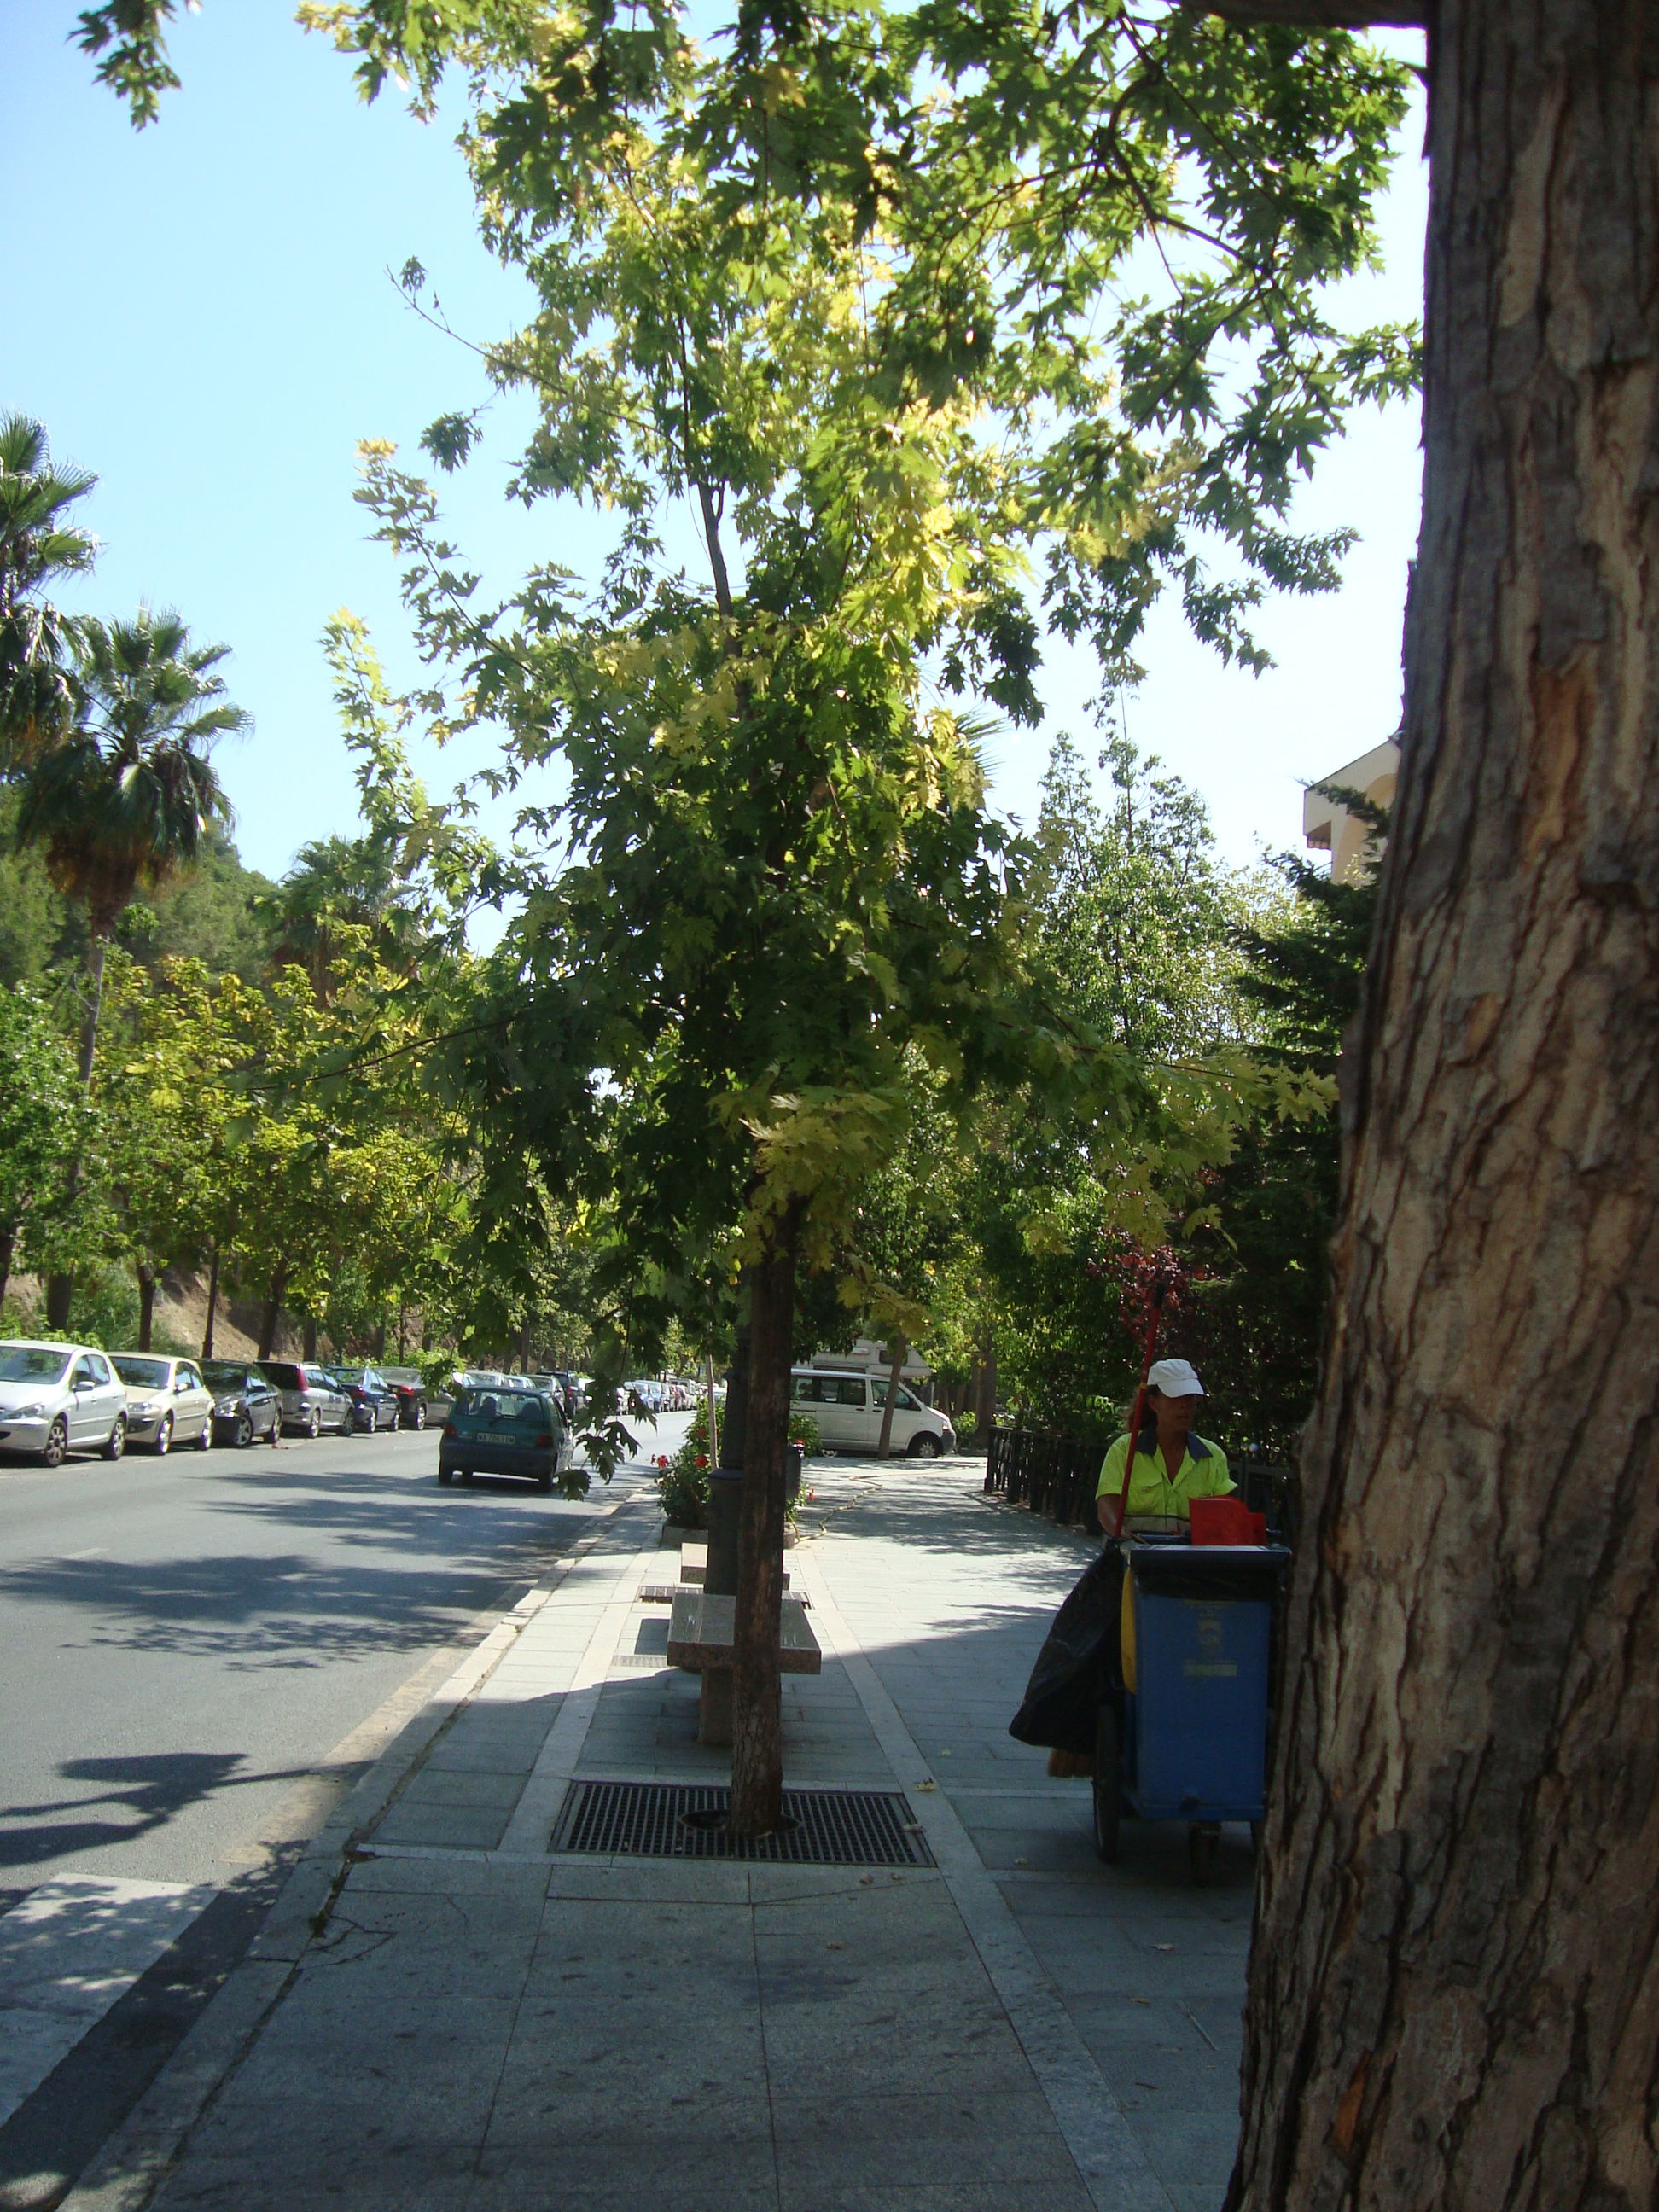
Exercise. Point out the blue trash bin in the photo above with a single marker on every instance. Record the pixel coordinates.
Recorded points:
(1191, 1742)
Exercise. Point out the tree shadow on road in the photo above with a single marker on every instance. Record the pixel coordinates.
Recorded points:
(151, 1789)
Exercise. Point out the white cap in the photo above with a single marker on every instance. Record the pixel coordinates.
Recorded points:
(1175, 1379)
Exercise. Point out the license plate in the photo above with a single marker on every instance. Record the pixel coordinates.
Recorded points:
(488, 1437)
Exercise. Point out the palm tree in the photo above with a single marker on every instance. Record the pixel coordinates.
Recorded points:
(37, 543)
(121, 803)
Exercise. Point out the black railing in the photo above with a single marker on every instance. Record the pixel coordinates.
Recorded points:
(1059, 1476)
(1054, 1475)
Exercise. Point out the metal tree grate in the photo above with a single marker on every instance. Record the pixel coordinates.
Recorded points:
(833, 1827)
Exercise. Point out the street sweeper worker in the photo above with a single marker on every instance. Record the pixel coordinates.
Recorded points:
(1173, 1464)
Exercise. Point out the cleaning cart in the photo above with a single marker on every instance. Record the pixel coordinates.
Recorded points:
(1180, 1720)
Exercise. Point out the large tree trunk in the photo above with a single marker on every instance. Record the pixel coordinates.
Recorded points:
(146, 1305)
(897, 1352)
(756, 1707)
(985, 1395)
(308, 1341)
(1454, 1998)
(8, 1245)
(212, 1304)
(271, 1314)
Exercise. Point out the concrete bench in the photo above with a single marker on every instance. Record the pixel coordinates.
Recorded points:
(701, 1632)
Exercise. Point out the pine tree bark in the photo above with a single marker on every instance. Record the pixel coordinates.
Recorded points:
(757, 1803)
(1455, 1992)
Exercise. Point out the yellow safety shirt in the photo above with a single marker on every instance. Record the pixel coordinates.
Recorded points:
(1202, 1473)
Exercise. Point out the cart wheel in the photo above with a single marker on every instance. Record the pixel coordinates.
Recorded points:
(1107, 1785)
(1203, 1841)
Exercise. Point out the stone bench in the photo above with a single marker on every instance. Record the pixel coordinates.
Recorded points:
(700, 1633)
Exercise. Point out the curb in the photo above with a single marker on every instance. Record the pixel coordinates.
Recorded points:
(134, 2161)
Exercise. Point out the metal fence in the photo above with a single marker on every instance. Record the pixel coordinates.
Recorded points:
(1058, 1477)
(1052, 1475)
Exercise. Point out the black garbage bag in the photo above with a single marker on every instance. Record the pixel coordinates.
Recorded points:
(1079, 1666)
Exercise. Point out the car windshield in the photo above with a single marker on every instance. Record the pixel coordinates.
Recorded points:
(224, 1374)
(504, 1405)
(32, 1362)
(142, 1374)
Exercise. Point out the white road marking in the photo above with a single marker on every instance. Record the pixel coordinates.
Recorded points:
(67, 1953)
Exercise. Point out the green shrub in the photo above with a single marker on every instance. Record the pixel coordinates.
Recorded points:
(683, 1484)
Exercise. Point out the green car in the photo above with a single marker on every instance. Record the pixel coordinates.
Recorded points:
(493, 1431)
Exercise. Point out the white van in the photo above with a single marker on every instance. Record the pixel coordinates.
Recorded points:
(849, 1407)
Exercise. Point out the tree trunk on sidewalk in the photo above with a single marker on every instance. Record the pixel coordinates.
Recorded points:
(146, 1305)
(212, 1304)
(8, 1245)
(271, 1315)
(756, 1708)
(897, 1352)
(1455, 1986)
(985, 1395)
(308, 1341)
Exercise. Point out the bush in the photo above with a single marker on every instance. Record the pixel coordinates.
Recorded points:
(683, 1484)
(104, 1310)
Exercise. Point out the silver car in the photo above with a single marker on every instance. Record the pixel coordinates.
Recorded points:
(312, 1400)
(59, 1398)
(167, 1402)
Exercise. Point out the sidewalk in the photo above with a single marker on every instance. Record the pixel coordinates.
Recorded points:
(468, 2023)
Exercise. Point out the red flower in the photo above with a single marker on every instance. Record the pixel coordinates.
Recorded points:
(701, 1459)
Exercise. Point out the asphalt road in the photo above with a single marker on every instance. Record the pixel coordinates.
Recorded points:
(182, 1641)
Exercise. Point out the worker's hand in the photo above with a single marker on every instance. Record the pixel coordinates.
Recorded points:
(1106, 1514)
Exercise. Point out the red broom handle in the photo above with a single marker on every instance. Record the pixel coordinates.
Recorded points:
(1139, 1413)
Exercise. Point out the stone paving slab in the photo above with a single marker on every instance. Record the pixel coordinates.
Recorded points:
(482, 2026)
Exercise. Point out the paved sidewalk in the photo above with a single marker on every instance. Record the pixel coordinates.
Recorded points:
(478, 2026)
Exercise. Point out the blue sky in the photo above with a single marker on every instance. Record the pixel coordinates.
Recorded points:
(208, 323)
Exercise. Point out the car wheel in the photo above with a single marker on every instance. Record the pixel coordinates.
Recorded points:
(924, 1447)
(314, 1425)
(419, 1421)
(244, 1432)
(117, 1439)
(543, 1482)
(55, 1450)
(164, 1438)
(446, 1474)
(204, 1442)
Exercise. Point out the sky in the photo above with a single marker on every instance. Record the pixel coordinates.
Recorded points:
(209, 323)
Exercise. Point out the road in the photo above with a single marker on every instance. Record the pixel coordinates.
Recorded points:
(184, 1641)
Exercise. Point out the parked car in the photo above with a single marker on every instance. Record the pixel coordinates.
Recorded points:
(312, 1400)
(848, 1408)
(374, 1401)
(502, 1431)
(59, 1398)
(167, 1402)
(411, 1404)
(245, 1403)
